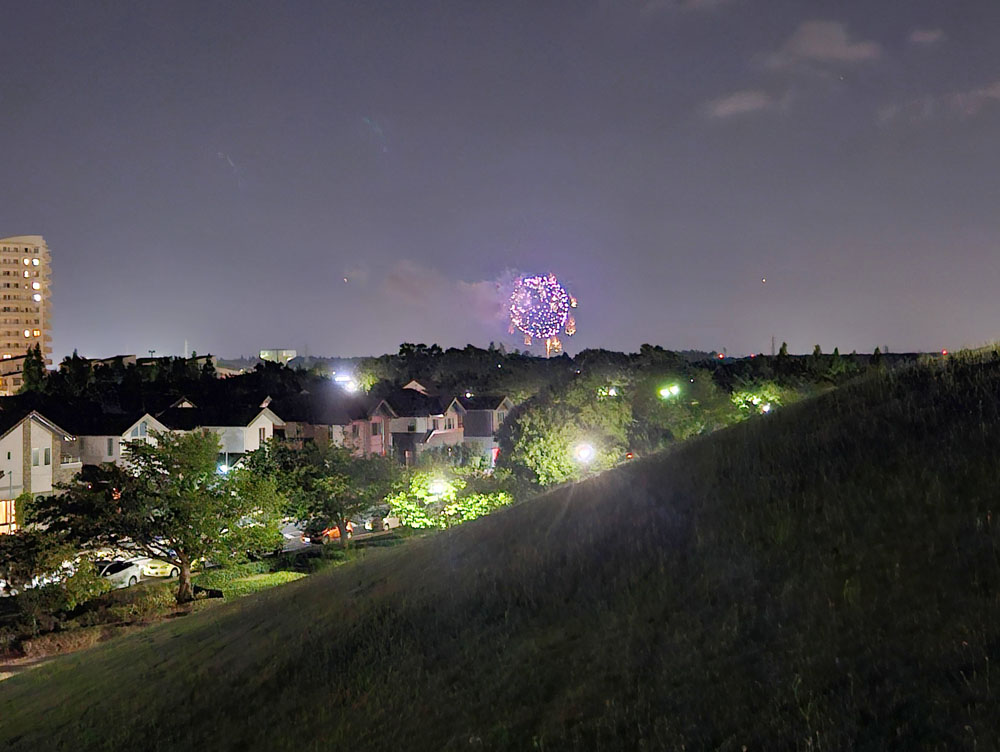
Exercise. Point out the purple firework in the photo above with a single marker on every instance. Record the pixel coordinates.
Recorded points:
(540, 306)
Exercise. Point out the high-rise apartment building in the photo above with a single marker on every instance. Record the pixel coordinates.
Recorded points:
(25, 296)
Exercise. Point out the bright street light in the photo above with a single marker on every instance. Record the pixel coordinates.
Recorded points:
(584, 453)
(669, 391)
(438, 487)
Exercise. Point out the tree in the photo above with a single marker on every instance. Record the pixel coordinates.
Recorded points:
(325, 485)
(34, 370)
(435, 498)
(168, 503)
(538, 440)
(783, 352)
(46, 575)
(27, 554)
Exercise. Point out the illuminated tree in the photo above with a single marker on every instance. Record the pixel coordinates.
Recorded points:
(435, 498)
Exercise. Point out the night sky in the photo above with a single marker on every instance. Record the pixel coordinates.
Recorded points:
(213, 171)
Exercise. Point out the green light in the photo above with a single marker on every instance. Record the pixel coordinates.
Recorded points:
(669, 391)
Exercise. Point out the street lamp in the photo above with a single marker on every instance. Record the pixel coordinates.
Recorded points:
(438, 487)
(584, 453)
(669, 391)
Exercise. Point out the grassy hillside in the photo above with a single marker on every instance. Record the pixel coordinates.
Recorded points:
(825, 577)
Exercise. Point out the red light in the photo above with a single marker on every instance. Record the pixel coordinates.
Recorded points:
(753, 355)
(944, 352)
(629, 455)
(721, 356)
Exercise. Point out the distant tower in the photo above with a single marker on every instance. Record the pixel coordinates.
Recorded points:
(25, 289)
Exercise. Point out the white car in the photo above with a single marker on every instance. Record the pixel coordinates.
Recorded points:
(120, 573)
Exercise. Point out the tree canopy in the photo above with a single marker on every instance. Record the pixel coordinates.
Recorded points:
(170, 503)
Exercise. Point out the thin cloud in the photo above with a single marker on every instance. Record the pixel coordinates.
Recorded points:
(823, 42)
(964, 104)
(913, 111)
(439, 297)
(739, 103)
(969, 103)
(926, 36)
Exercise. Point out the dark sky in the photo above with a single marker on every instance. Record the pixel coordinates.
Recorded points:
(212, 171)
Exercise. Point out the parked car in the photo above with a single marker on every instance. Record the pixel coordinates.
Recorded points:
(121, 574)
(383, 524)
(323, 535)
(158, 568)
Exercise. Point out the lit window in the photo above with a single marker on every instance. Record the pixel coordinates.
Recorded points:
(37, 297)
(6, 356)
(27, 332)
(37, 333)
(27, 262)
(36, 285)
(27, 274)
(34, 261)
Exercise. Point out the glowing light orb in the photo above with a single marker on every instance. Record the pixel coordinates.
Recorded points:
(540, 308)
(584, 453)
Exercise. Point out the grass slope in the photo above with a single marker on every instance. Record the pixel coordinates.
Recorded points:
(822, 578)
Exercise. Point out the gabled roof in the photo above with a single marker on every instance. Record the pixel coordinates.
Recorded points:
(484, 401)
(111, 424)
(189, 418)
(10, 419)
(409, 403)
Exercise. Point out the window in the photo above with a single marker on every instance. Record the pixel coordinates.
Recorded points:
(135, 433)
(449, 423)
(143, 428)
(354, 430)
(34, 458)
(7, 518)
(437, 424)
(501, 415)
(262, 434)
(8, 455)
(35, 261)
(48, 455)
(111, 447)
(411, 426)
(376, 428)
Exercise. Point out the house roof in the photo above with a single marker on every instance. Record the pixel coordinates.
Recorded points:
(10, 418)
(409, 403)
(189, 418)
(328, 405)
(482, 401)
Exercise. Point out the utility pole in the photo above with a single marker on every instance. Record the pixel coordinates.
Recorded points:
(773, 353)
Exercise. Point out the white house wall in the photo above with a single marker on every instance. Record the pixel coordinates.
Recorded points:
(41, 475)
(11, 462)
